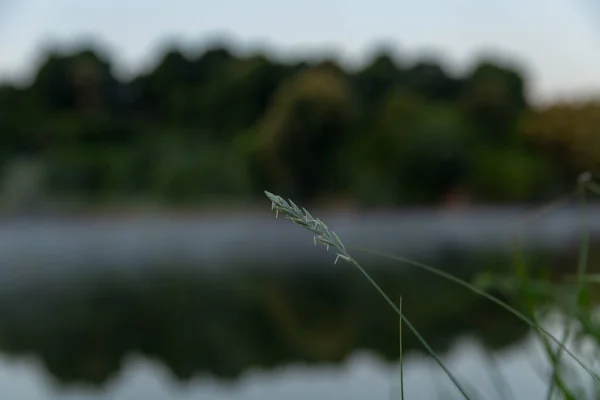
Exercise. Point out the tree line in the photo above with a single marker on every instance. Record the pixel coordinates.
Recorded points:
(221, 126)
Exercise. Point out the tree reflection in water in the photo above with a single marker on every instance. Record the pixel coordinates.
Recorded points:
(225, 321)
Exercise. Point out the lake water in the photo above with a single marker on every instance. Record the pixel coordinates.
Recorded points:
(245, 307)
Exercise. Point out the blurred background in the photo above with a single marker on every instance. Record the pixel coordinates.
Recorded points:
(138, 254)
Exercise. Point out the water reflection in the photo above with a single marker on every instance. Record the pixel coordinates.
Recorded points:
(200, 321)
(119, 331)
(361, 377)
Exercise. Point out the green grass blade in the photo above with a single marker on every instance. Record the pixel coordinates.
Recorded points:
(582, 263)
(325, 236)
(529, 301)
(401, 362)
(484, 294)
(414, 330)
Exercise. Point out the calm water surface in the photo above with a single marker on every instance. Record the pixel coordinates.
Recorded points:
(247, 308)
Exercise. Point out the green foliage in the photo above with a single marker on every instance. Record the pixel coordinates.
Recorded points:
(199, 127)
(507, 175)
(303, 126)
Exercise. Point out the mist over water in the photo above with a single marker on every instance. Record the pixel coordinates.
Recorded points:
(247, 307)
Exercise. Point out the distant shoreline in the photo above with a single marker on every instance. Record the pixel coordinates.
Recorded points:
(231, 211)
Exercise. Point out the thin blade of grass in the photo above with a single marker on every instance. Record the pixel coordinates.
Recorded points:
(324, 235)
(482, 293)
(401, 362)
(414, 330)
(525, 289)
(582, 263)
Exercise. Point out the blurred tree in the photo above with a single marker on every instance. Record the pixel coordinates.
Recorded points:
(430, 80)
(52, 86)
(75, 95)
(162, 92)
(195, 169)
(16, 124)
(569, 132)
(434, 156)
(304, 127)
(219, 124)
(372, 160)
(78, 81)
(239, 98)
(504, 174)
(493, 99)
(377, 79)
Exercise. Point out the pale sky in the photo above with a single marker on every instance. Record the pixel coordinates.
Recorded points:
(556, 42)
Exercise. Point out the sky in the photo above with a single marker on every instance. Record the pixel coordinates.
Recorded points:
(556, 43)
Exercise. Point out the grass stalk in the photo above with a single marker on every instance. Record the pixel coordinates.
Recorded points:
(401, 362)
(582, 263)
(329, 238)
(486, 295)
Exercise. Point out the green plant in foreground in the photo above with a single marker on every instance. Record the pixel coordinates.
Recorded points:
(400, 347)
(330, 239)
(327, 237)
